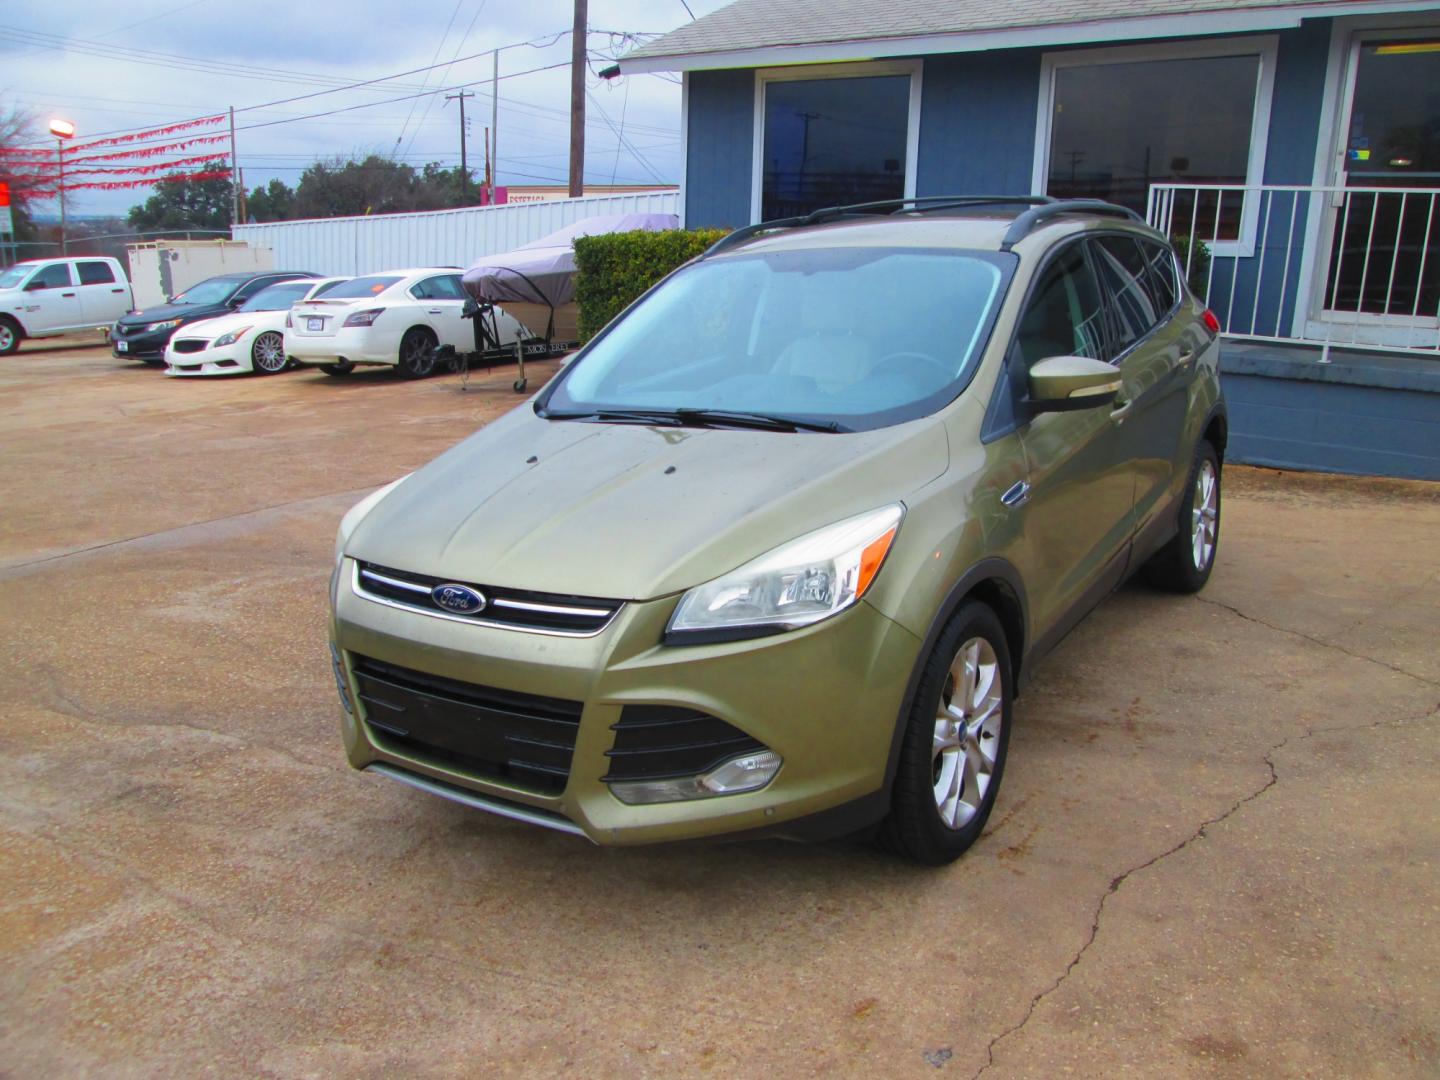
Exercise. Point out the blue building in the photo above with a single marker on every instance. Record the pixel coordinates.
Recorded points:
(1291, 150)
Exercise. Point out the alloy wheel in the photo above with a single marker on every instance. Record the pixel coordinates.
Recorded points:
(268, 353)
(7, 338)
(1204, 515)
(968, 722)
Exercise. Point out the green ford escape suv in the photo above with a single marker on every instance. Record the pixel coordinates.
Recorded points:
(775, 552)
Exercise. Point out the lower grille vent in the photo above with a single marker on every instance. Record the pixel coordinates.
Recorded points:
(523, 739)
(658, 742)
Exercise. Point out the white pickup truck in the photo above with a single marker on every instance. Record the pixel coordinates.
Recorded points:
(45, 297)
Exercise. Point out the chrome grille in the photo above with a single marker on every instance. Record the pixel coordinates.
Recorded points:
(511, 609)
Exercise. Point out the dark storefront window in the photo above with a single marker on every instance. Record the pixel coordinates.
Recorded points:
(830, 142)
(1118, 128)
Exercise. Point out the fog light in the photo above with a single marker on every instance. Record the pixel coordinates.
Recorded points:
(747, 773)
(340, 685)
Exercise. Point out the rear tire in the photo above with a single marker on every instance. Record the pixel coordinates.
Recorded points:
(1184, 564)
(417, 353)
(952, 757)
(10, 335)
(267, 355)
(345, 367)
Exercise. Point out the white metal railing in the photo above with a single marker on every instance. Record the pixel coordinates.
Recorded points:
(1352, 267)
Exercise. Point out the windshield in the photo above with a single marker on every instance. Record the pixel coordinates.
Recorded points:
(15, 275)
(210, 291)
(359, 287)
(277, 297)
(863, 337)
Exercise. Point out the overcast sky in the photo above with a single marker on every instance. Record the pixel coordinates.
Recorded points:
(94, 62)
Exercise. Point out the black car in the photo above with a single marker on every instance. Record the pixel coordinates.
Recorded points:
(142, 335)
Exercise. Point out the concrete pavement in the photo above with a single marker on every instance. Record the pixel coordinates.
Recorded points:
(1217, 850)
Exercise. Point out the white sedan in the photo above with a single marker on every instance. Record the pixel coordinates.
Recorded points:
(252, 338)
(401, 318)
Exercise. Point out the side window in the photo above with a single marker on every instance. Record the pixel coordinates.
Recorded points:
(1161, 261)
(1064, 316)
(1125, 273)
(421, 290)
(95, 273)
(54, 276)
(448, 287)
(249, 289)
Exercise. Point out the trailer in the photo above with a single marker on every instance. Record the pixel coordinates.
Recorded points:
(164, 268)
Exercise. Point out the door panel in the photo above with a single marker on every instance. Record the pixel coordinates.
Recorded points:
(1077, 520)
(55, 305)
(1149, 414)
(442, 300)
(103, 299)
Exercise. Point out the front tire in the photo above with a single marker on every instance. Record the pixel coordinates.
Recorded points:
(267, 355)
(417, 353)
(1184, 564)
(953, 752)
(10, 335)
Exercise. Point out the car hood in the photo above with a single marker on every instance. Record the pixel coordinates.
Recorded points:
(629, 512)
(162, 312)
(223, 324)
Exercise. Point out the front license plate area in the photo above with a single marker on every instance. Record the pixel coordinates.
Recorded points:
(122, 346)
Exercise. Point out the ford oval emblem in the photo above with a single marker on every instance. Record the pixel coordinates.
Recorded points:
(461, 599)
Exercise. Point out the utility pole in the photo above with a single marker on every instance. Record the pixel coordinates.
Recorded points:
(234, 175)
(464, 161)
(494, 121)
(577, 101)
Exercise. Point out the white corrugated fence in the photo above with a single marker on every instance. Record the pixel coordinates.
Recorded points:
(365, 245)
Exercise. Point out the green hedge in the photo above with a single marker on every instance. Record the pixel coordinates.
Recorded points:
(615, 268)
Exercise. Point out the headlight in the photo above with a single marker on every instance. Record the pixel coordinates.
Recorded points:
(356, 514)
(799, 583)
(168, 324)
(230, 338)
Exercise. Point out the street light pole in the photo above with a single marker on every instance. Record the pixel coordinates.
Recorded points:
(62, 130)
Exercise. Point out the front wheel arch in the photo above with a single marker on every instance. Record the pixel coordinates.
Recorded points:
(995, 583)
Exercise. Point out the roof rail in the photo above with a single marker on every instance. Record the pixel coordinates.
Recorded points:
(923, 203)
(1022, 226)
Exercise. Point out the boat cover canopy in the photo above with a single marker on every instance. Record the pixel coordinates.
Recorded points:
(543, 271)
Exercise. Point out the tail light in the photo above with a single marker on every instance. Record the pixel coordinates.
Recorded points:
(1211, 321)
(364, 318)
(289, 323)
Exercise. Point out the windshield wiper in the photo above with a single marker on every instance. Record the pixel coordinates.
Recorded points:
(693, 417)
(617, 416)
(762, 421)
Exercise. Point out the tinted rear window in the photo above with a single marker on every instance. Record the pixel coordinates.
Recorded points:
(360, 287)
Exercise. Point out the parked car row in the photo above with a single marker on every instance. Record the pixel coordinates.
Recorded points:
(250, 322)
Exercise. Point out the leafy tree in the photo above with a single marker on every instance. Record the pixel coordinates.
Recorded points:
(18, 128)
(274, 202)
(378, 185)
(184, 204)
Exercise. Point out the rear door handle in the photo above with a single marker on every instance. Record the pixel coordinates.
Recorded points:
(69, 294)
(1121, 411)
(1017, 495)
(434, 311)
(1187, 359)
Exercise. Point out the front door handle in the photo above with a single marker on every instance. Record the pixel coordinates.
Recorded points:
(1121, 411)
(117, 290)
(1186, 360)
(1017, 495)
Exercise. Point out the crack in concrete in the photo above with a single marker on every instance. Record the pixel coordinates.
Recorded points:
(1198, 834)
(6, 568)
(1315, 640)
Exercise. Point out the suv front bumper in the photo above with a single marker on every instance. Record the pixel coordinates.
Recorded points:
(825, 698)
